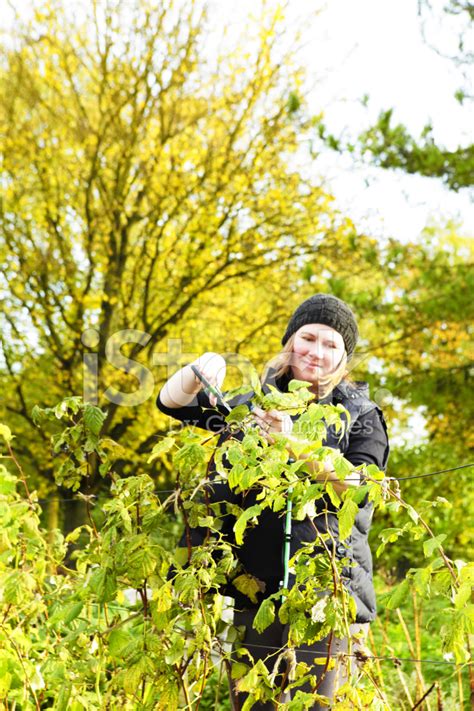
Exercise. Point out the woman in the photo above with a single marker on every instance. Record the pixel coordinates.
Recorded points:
(318, 343)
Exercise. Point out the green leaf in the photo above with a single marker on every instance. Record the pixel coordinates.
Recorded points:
(256, 676)
(175, 653)
(161, 448)
(37, 415)
(66, 613)
(334, 497)
(238, 414)
(118, 641)
(265, 615)
(239, 669)
(189, 457)
(359, 493)
(432, 544)
(249, 585)
(414, 515)
(255, 382)
(304, 700)
(295, 385)
(169, 696)
(463, 595)
(6, 433)
(163, 597)
(5, 679)
(342, 467)
(136, 673)
(398, 596)
(374, 472)
(346, 517)
(62, 699)
(103, 583)
(94, 418)
(293, 103)
(62, 409)
(241, 523)
(7, 482)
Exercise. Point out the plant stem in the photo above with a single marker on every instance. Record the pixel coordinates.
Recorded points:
(420, 686)
(460, 689)
(399, 671)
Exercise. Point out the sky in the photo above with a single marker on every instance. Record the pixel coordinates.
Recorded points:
(376, 48)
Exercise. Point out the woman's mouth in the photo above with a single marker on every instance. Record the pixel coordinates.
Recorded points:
(312, 365)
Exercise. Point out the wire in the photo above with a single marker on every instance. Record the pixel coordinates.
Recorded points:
(361, 655)
(441, 471)
(172, 491)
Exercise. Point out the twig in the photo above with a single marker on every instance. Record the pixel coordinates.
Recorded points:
(418, 703)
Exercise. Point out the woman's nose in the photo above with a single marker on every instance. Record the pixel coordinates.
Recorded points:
(315, 349)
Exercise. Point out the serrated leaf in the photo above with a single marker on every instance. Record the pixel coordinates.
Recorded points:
(104, 584)
(243, 520)
(249, 585)
(334, 497)
(169, 697)
(346, 517)
(265, 615)
(189, 457)
(94, 418)
(463, 595)
(175, 653)
(398, 596)
(161, 448)
(118, 641)
(134, 675)
(432, 544)
(37, 415)
(253, 678)
(342, 467)
(7, 482)
(238, 414)
(374, 472)
(163, 597)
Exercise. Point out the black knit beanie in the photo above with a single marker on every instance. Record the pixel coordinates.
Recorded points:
(329, 310)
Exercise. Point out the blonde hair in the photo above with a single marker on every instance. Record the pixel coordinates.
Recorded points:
(282, 363)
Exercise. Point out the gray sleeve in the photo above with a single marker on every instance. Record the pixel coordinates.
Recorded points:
(368, 440)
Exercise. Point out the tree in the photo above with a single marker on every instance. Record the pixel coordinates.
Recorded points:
(146, 185)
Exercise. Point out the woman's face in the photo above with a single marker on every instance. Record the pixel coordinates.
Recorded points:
(317, 351)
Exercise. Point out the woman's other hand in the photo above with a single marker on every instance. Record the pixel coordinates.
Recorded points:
(273, 422)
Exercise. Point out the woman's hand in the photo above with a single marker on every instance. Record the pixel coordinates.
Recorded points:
(213, 367)
(273, 422)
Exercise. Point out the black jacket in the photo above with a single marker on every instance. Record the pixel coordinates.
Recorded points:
(365, 442)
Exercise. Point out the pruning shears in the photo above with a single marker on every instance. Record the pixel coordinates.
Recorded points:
(211, 389)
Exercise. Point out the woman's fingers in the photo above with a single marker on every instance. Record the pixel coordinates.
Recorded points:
(273, 420)
(213, 367)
